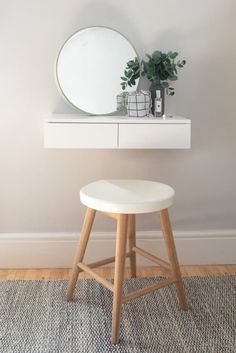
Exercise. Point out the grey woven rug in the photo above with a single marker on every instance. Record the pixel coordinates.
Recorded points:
(34, 317)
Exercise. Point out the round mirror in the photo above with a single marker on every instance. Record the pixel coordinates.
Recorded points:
(89, 67)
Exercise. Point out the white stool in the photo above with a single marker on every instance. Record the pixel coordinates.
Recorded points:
(122, 200)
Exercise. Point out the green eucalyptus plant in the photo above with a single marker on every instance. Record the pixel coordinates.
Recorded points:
(159, 68)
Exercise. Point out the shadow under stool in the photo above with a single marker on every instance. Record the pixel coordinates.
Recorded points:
(123, 200)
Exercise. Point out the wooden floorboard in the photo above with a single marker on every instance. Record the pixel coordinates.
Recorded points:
(59, 273)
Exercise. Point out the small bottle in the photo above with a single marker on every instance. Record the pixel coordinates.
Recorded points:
(158, 104)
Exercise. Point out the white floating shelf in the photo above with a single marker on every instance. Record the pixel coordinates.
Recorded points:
(119, 132)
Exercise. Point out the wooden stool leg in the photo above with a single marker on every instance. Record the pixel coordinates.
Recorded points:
(84, 237)
(119, 274)
(170, 244)
(131, 243)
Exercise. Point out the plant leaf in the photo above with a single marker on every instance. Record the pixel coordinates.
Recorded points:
(173, 78)
(174, 55)
(129, 73)
(156, 55)
(165, 84)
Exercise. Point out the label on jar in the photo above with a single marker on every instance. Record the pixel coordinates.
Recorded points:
(158, 106)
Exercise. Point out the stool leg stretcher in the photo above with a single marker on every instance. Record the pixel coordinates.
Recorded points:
(126, 232)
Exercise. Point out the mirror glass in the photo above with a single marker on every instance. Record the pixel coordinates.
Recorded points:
(89, 66)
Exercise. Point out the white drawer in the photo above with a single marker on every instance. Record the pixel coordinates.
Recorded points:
(79, 135)
(154, 136)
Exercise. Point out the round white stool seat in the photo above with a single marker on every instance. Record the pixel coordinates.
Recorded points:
(127, 196)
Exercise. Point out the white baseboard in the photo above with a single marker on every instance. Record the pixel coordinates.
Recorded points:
(56, 250)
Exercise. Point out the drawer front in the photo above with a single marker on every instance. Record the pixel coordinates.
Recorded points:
(79, 135)
(154, 135)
